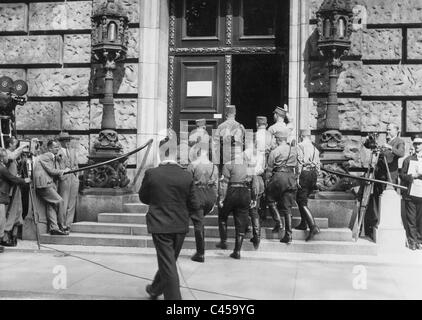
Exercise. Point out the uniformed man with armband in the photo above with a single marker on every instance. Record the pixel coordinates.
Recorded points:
(236, 195)
(197, 138)
(309, 168)
(282, 122)
(282, 186)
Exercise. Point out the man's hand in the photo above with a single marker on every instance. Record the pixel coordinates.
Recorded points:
(387, 146)
(27, 180)
(253, 204)
(221, 203)
(298, 184)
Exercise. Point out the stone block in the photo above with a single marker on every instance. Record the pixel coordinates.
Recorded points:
(14, 74)
(385, 11)
(414, 116)
(350, 78)
(125, 112)
(375, 115)
(131, 6)
(125, 78)
(31, 49)
(67, 82)
(75, 115)
(39, 116)
(133, 45)
(392, 80)
(414, 43)
(382, 44)
(71, 15)
(82, 147)
(13, 17)
(77, 48)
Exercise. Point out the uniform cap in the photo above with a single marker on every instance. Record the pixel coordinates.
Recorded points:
(281, 111)
(200, 122)
(63, 136)
(261, 120)
(282, 134)
(231, 109)
(417, 138)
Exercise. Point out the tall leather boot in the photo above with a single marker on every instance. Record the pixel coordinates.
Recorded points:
(222, 227)
(256, 230)
(15, 235)
(200, 246)
(237, 246)
(288, 229)
(313, 228)
(7, 239)
(276, 216)
(302, 225)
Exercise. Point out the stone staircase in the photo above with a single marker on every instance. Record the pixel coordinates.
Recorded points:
(129, 229)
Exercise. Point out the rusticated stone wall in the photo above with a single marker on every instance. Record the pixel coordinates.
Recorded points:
(48, 44)
(381, 80)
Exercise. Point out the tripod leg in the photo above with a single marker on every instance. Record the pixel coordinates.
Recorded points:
(34, 210)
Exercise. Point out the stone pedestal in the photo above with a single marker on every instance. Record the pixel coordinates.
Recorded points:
(390, 235)
(93, 201)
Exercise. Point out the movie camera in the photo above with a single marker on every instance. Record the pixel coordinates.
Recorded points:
(371, 142)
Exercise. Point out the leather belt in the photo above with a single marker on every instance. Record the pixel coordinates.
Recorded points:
(238, 185)
(285, 169)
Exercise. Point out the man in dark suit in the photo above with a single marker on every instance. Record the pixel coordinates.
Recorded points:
(46, 173)
(170, 192)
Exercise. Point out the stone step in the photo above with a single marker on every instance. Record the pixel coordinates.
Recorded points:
(210, 220)
(136, 207)
(361, 247)
(210, 231)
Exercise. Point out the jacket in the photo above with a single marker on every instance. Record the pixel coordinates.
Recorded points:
(169, 191)
(6, 180)
(405, 178)
(45, 171)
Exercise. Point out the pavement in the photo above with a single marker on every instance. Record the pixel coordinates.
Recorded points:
(122, 273)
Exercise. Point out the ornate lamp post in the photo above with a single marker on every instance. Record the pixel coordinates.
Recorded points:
(109, 44)
(335, 28)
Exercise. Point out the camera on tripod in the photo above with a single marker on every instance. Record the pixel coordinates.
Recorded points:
(31, 147)
(371, 141)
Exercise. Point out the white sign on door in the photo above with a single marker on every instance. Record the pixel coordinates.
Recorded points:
(199, 89)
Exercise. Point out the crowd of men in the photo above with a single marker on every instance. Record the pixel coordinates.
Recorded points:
(53, 192)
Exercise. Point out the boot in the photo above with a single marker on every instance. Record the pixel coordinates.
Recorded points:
(256, 229)
(313, 228)
(288, 229)
(222, 227)
(237, 246)
(7, 240)
(276, 217)
(15, 235)
(200, 246)
(302, 225)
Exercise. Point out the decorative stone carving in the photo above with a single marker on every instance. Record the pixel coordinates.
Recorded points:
(60, 15)
(382, 44)
(222, 50)
(77, 48)
(229, 23)
(125, 78)
(13, 17)
(67, 82)
(228, 79)
(133, 46)
(125, 113)
(172, 24)
(75, 115)
(39, 116)
(171, 80)
(414, 116)
(112, 175)
(392, 80)
(414, 43)
(128, 142)
(131, 7)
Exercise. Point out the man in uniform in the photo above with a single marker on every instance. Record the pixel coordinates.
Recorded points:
(282, 165)
(205, 177)
(236, 195)
(230, 135)
(309, 168)
(69, 184)
(197, 138)
(281, 123)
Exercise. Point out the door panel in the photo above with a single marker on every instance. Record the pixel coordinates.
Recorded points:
(200, 91)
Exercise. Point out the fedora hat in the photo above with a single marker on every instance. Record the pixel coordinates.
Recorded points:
(63, 136)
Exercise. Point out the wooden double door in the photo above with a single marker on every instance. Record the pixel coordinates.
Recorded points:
(225, 52)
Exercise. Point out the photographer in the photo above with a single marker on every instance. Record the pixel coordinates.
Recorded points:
(388, 162)
(6, 179)
(14, 216)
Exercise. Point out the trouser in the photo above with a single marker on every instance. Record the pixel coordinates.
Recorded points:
(238, 201)
(166, 280)
(3, 209)
(413, 221)
(14, 216)
(254, 215)
(54, 206)
(68, 190)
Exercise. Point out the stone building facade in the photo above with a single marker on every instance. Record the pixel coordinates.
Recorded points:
(48, 45)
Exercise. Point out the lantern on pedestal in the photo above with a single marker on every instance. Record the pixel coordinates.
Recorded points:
(109, 44)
